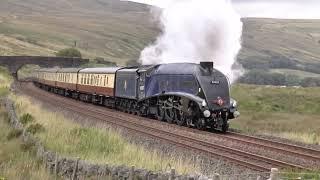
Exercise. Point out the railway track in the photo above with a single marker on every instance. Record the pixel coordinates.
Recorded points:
(133, 123)
(271, 145)
(296, 150)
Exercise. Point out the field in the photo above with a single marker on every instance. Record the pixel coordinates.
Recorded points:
(292, 113)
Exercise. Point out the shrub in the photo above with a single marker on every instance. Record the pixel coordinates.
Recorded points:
(69, 52)
(26, 118)
(15, 133)
(35, 128)
(27, 146)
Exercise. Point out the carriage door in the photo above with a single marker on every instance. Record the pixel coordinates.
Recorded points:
(141, 88)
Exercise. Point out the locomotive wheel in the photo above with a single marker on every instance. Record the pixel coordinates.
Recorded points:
(180, 118)
(200, 125)
(160, 113)
(189, 122)
(170, 115)
(225, 126)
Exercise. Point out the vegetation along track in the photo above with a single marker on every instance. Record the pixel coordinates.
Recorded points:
(133, 123)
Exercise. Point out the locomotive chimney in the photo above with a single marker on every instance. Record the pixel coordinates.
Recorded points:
(207, 65)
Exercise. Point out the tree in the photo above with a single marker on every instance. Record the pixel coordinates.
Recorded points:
(69, 52)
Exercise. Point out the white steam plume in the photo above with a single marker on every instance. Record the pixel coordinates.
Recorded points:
(197, 30)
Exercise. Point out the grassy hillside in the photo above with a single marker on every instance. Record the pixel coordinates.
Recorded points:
(296, 40)
(109, 28)
(118, 31)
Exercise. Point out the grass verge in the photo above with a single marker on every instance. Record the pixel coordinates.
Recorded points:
(5, 81)
(95, 145)
(292, 113)
(16, 162)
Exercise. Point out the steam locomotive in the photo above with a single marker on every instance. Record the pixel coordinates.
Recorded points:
(188, 94)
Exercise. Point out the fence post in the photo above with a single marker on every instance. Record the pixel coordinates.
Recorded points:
(274, 175)
(131, 174)
(56, 166)
(216, 176)
(172, 174)
(74, 174)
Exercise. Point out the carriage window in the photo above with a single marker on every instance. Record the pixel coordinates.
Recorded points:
(104, 80)
(87, 76)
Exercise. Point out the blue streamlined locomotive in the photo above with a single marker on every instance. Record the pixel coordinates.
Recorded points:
(188, 94)
(183, 93)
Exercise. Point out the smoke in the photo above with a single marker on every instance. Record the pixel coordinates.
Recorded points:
(280, 9)
(197, 30)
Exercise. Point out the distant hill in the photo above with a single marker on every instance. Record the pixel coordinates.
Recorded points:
(118, 31)
(293, 44)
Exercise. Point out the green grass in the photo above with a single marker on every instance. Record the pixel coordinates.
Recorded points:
(5, 81)
(15, 163)
(289, 174)
(96, 145)
(292, 113)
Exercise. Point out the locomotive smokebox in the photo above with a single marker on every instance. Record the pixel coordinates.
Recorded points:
(207, 65)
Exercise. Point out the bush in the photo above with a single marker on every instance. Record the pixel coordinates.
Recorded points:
(69, 52)
(310, 82)
(26, 118)
(263, 78)
(15, 133)
(102, 61)
(35, 128)
(27, 146)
